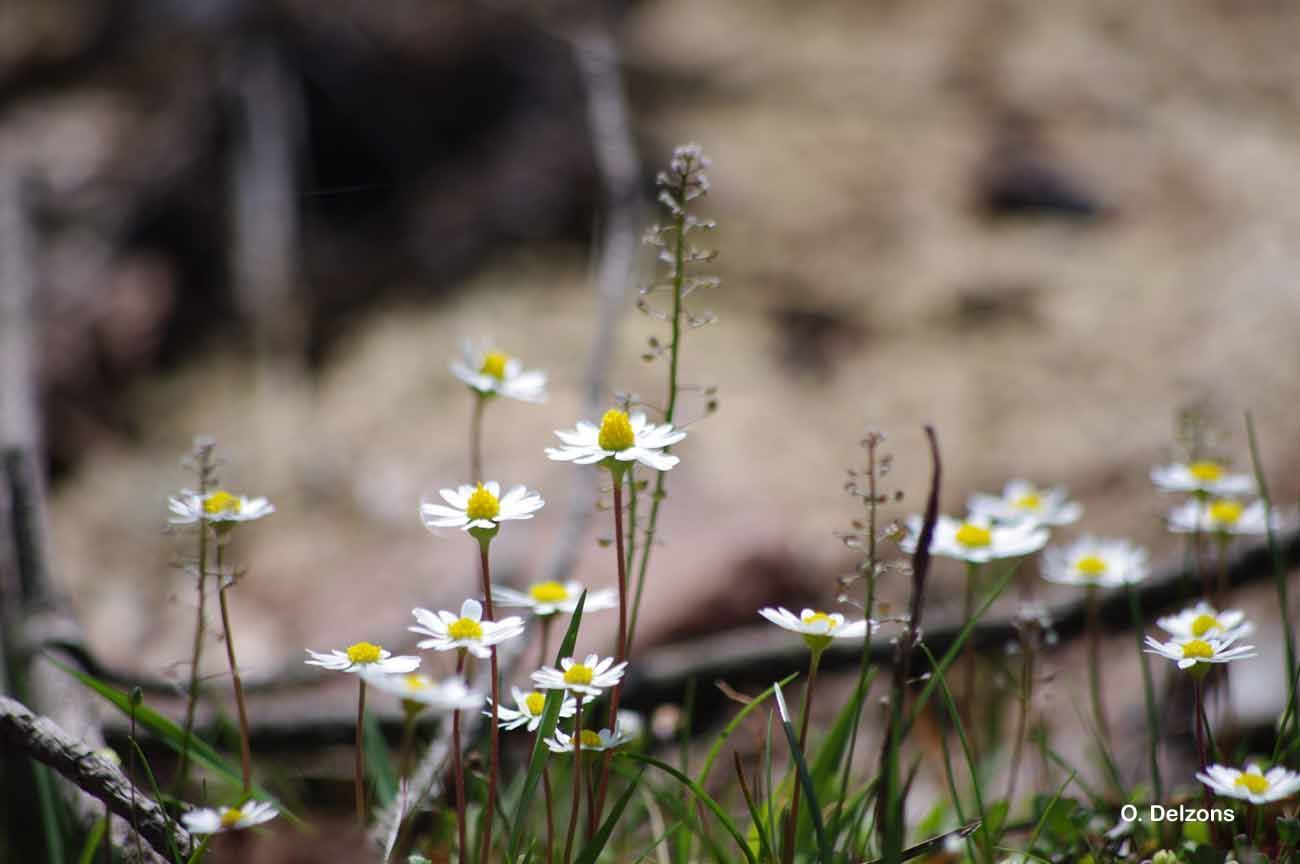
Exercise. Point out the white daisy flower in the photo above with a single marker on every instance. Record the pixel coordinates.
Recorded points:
(364, 657)
(216, 506)
(620, 438)
(629, 724)
(1091, 561)
(468, 630)
(1204, 620)
(1222, 516)
(591, 741)
(451, 694)
(977, 540)
(1203, 476)
(1252, 784)
(206, 820)
(817, 628)
(547, 598)
(482, 506)
(1197, 652)
(490, 372)
(589, 677)
(531, 705)
(1021, 500)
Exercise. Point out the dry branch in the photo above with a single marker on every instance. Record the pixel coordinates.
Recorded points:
(44, 740)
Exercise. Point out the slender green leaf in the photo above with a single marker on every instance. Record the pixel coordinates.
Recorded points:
(379, 770)
(805, 779)
(48, 804)
(550, 716)
(93, 840)
(173, 736)
(704, 798)
(593, 848)
(731, 727)
(1048, 811)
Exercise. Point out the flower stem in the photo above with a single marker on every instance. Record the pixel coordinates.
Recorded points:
(476, 438)
(546, 639)
(458, 770)
(245, 748)
(494, 735)
(550, 813)
(196, 653)
(622, 648)
(1094, 667)
(972, 667)
(1022, 721)
(361, 752)
(1148, 689)
(813, 662)
(577, 781)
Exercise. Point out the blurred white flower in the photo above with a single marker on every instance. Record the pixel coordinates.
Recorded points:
(531, 705)
(1222, 516)
(216, 506)
(1252, 784)
(1022, 500)
(1204, 620)
(1204, 476)
(1097, 562)
(547, 598)
(451, 694)
(594, 741)
(468, 630)
(620, 438)
(977, 540)
(494, 373)
(206, 820)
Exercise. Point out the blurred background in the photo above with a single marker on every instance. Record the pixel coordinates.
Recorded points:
(1049, 228)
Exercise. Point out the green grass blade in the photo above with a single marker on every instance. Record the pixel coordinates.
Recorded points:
(703, 797)
(954, 650)
(157, 793)
(1047, 812)
(550, 716)
(47, 802)
(731, 727)
(173, 736)
(598, 840)
(379, 769)
(826, 765)
(805, 779)
(987, 840)
(93, 840)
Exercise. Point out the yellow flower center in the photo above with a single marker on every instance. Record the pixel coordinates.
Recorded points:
(465, 628)
(1029, 501)
(364, 652)
(589, 739)
(416, 681)
(813, 617)
(219, 502)
(1205, 470)
(232, 816)
(578, 674)
(1090, 566)
(1197, 649)
(535, 702)
(1225, 512)
(1256, 783)
(548, 592)
(974, 535)
(494, 364)
(482, 504)
(616, 431)
(1203, 624)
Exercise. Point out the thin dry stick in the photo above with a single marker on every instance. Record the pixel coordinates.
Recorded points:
(361, 752)
(494, 734)
(245, 747)
(192, 691)
(577, 781)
